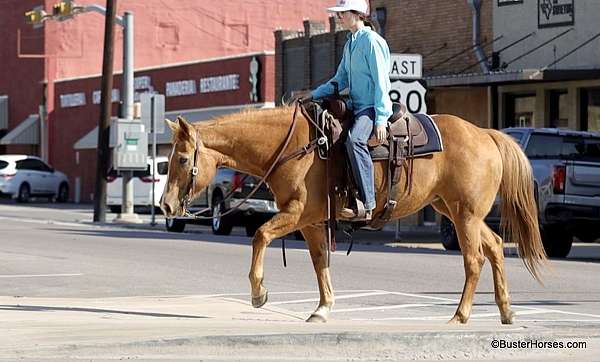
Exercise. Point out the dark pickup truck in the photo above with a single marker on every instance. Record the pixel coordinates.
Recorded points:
(566, 170)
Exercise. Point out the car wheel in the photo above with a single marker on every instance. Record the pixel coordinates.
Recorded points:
(63, 193)
(24, 193)
(115, 209)
(557, 242)
(448, 234)
(220, 225)
(175, 225)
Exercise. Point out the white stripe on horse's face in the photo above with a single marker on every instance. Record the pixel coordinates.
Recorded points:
(178, 180)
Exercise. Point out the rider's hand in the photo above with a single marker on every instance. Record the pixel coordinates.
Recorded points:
(381, 132)
(303, 97)
(306, 98)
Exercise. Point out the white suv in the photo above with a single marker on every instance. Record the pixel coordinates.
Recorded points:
(22, 177)
(142, 185)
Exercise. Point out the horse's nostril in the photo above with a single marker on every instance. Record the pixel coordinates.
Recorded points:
(168, 209)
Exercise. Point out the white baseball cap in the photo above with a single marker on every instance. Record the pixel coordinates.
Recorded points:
(347, 5)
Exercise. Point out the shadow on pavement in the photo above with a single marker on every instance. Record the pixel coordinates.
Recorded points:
(241, 240)
(41, 308)
(290, 243)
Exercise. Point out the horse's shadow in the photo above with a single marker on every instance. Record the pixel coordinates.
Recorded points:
(44, 308)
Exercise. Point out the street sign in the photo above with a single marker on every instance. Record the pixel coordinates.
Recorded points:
(406, 66)
(153, 111)
(412, 94)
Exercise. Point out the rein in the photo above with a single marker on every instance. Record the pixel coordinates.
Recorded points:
(278, 161)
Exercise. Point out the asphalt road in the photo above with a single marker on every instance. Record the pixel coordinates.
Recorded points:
(401, 285)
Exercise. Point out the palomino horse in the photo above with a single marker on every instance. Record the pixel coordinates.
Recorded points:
(461, 182)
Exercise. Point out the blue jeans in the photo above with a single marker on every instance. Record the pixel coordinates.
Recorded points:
(360, 159)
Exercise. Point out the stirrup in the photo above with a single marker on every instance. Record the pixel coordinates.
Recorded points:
(360, 214)
(353, 215)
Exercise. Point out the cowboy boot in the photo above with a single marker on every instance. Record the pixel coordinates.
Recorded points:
(352, 215)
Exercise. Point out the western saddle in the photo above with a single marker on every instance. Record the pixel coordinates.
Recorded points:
(333, 120)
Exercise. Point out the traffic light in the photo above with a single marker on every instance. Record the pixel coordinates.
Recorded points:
(35, 16)
(62, 10)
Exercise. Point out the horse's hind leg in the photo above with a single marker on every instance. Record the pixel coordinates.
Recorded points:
(492, 247)
(315, 239)
(468, 228)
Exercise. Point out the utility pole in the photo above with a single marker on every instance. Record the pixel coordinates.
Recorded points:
(127, 214)
(103, 154)
(65, 10)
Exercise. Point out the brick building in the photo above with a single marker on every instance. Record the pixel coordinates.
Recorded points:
(50, 75)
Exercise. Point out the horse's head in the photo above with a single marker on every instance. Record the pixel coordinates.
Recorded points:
(191, 167)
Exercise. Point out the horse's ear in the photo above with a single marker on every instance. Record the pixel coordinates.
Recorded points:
(185, 126)
(172, 125)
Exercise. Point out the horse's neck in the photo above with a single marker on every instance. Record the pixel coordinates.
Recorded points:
(241, 146)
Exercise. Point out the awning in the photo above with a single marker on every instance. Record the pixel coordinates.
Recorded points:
(510, 76)
(26, 133)
(90, 140)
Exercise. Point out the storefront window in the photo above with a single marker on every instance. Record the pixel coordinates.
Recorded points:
(559, 109)
(520, 110)
(590, 109)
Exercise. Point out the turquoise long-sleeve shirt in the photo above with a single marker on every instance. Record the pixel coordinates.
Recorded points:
(364, 69)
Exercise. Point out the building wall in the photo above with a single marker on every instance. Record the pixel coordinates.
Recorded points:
(436, 29)
(166, 32)
(72, 123)
(469, 103)
(304, 60)
(169, 32)
(520, 19)
(21, 78)
(543, 102)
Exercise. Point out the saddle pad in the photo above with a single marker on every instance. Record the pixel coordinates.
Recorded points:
(433, 145)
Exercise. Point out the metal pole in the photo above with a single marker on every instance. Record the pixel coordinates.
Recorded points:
(103, 154)
(127, 214)
(127, 110)
(154, 164)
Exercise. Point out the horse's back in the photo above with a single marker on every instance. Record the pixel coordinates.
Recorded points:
(470, 158)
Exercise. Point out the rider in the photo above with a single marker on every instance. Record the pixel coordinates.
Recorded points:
(364, 69)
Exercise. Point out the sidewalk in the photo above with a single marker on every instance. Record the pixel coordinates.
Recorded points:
(227, 328)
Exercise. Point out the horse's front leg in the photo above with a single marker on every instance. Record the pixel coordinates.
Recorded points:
(281, 224)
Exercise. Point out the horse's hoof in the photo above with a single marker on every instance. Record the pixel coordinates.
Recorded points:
(259, 301)
(509, 318)
(316, 318)
(457, 320)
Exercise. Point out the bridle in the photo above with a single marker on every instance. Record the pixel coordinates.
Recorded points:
(304, 150)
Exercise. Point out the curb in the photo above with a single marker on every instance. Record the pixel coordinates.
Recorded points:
(355, 346)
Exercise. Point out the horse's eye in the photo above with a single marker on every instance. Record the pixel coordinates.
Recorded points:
(183, 160)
